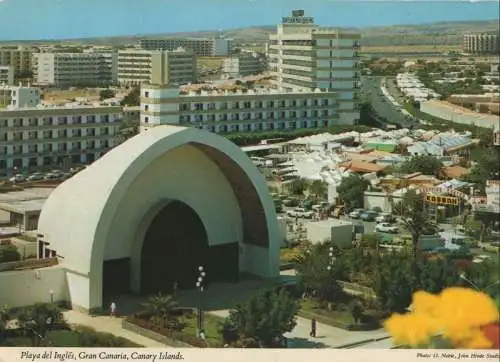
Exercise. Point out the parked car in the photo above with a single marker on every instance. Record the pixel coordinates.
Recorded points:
(35, 177)
(300, 212)
(386, 228)
(17, 178)
(368, 216)
(385, 217)
(356, 213)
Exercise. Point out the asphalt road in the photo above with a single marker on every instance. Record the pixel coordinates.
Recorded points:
(381, 105)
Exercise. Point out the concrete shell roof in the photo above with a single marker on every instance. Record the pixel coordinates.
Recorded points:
(72, 216)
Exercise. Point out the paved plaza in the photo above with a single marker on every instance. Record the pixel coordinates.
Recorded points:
(218, 299)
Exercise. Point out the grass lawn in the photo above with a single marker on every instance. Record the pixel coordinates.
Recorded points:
(212, 325)
(333, 317)
(340, 316)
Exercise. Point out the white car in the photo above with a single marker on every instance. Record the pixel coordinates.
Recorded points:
(384, 217)
(35, 177)
(300, 212)
(386, 228)
(355, 214)
(17, 178)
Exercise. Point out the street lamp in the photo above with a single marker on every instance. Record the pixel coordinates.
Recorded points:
(199, 284)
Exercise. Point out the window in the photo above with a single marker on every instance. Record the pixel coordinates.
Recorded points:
(146, 107)
(146, 94)
(146, 119)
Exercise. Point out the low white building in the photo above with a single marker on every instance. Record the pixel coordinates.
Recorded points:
(339, 232)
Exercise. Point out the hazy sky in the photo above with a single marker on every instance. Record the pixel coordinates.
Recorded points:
(56, 19)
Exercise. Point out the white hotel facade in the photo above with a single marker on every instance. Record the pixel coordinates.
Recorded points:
(238, 111)
(316, 81)
(40, 137)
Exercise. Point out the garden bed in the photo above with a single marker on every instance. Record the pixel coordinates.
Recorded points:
(340, 316)
(66, 337)
(186, 336)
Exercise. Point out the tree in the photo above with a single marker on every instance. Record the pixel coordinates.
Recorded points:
(317, 275)
(298, 186)
(37, 320)
(485, 167)
(319, 189)
(414, 216)
(262, 320)
(351, 190)
(133, 98)
(371, 241)
(9, 253)
(425, 164)
(4, 318)
(106, 94)
(160, 308)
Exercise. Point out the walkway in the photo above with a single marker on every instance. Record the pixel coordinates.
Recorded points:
(218, 299)
(109, 325)
(327, 336)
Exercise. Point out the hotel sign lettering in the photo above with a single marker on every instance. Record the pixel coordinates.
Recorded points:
(442, 200)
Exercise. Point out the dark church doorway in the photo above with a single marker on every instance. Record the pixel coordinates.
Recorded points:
(175, 244)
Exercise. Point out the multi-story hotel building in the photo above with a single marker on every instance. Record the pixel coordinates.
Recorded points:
(238, 111)
(201, 47)
(17, 57)
(41, 137)
(6, 74)
(304, 55)
(74, 69)
(137, 66)
(481, 43)
(243, 64)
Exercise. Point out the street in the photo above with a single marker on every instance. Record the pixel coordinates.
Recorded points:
(380, 103)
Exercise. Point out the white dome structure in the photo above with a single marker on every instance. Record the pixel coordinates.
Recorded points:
(183, 196)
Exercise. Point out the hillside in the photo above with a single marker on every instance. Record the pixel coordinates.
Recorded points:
(444, 33)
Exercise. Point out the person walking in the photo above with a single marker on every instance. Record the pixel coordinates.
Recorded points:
(112, 309)
(313, 328)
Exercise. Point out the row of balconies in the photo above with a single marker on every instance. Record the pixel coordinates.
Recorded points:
(57, 152)
(252, 105)
(255, 116)
(61, 122)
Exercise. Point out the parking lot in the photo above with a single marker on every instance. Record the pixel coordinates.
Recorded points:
(52, 175)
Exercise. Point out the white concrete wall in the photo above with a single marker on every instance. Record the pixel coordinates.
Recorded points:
(26, 287)
(78, 287)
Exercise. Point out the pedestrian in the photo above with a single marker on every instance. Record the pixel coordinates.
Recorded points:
(176, 285)
(112, 309)
(313, 328)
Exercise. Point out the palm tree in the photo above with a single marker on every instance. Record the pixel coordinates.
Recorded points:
(414, 217)
(160, 308)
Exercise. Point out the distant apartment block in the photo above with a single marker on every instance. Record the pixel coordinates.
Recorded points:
(201, 47)
(136, 66)
(17, 57)
(303, 55)
(244, 64)
(478, 44)
(6, 74)
(15, 97)
(64, 70)
(34, 138)
(238, 111)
